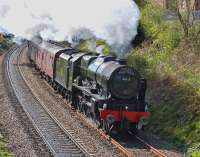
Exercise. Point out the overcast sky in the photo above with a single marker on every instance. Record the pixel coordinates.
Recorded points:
(112, 20)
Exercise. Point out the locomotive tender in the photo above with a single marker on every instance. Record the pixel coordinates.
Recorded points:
(102, 87)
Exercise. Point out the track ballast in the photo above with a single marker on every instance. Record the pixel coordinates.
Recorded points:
(56, 138)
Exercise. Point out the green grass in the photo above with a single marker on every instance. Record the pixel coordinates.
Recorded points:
(4, 151)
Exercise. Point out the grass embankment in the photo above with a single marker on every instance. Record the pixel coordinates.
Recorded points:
(171, 64)
(4, 151)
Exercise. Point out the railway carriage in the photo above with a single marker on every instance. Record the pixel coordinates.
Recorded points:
(48, 53)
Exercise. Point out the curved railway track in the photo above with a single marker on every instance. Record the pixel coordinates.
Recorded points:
(58, 139)
(148, 148)
(128, 152)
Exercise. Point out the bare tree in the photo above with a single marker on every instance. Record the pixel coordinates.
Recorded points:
(185, 17)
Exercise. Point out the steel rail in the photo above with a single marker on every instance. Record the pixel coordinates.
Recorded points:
(68, 132)
(116, 144)
(72, 143)
(150, 148)
(122, 149)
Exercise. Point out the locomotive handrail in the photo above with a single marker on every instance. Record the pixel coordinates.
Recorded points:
(96, 96)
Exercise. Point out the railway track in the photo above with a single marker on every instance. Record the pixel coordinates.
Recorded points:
(67, 116)
(128, 153)
(58, 139)
(153, 151)
(150, 148)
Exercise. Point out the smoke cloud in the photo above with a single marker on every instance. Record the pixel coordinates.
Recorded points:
(115, 21)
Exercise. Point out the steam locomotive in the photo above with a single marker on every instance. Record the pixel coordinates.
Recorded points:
(101, 87)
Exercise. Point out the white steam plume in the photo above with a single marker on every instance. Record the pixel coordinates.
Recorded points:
(115, 21)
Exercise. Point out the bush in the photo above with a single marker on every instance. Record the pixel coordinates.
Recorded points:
(4, 43)
(165, 35)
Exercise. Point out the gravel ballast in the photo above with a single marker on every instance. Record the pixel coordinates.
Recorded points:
(23, 140)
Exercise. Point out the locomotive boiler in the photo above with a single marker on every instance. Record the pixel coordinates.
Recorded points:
(115, 78)
(102, 87)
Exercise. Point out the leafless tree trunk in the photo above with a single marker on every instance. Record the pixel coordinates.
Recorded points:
(185, 20)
